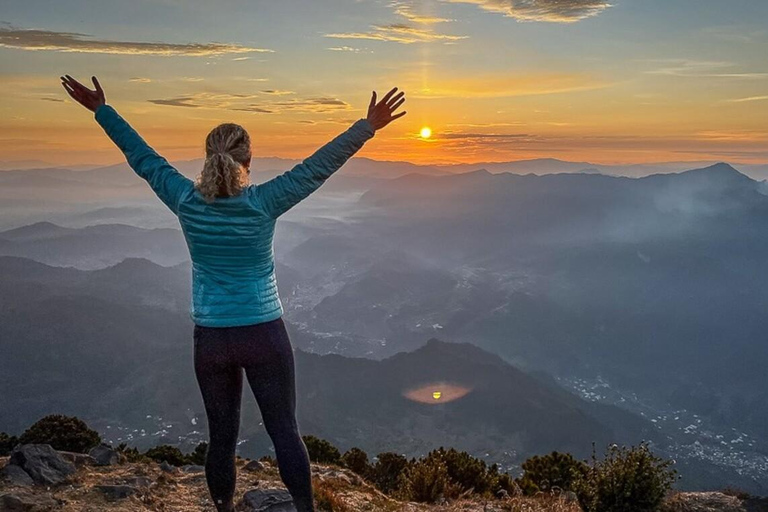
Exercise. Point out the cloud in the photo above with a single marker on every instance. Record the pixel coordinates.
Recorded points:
(140, 80)
(405, 10)
(700, 69)
(557, 11)
(348, 49)
(277, 92)
(39, 40)
(751, 98)
(493, 85)
(56, 100)
(399, 33)
(243, 103)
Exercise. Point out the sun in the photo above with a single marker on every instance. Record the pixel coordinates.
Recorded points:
(425, 132)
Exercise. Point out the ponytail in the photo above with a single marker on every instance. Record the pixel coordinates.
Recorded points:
(227, 149)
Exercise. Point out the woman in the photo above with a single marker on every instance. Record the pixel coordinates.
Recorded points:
(228, 225)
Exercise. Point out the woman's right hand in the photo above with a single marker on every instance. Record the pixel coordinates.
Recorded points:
(380, 115)
(83, 95)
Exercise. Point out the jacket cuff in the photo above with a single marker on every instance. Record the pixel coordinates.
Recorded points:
(101, 113)
(365, 127)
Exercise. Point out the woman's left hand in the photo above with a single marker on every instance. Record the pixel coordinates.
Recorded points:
(83, 95)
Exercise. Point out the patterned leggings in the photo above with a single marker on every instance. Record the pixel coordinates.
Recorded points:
(264, 351)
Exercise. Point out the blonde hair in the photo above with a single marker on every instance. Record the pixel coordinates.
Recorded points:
(227, 150)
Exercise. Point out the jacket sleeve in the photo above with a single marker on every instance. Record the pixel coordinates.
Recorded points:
(281, 193)
(168, 183)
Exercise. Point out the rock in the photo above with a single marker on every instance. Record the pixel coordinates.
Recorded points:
(27, 503)
(41, 462)
(15, 475)
(168, 468)
(104, 455)
(266, 500)
(704, 502)
(571, 497)
(254, 465)
(78, 459)
(138, 481)
(117, 492)
(193, 468)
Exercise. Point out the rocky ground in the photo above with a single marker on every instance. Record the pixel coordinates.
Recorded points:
(38, 478)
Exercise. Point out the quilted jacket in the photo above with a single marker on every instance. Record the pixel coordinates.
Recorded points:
(230, 241)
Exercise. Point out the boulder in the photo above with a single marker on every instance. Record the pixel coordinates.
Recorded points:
(41, 462)
(12, 502)
(193, 468)
(254, 465)
(78, 459)
(138, 481)
(15, 475)
(168, 468)
(117, 492)
(104, 455)
(266, 500)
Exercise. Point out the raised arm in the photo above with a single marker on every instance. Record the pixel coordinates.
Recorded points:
(281, 193)
(168, 183)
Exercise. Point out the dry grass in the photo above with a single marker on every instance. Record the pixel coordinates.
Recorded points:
(336, 490)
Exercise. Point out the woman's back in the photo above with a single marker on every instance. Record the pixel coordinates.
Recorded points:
(230, 243)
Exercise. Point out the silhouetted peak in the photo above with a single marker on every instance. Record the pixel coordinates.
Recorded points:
(42, 229)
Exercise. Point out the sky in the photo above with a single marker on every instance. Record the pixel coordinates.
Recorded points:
(618, 81)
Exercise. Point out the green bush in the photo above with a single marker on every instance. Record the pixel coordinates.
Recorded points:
(131, 454)
(385, 473)
(356, 460)
(170, 454)
(469, 473)
(426, 481)
(544, 473)
(268, 459)
(321, 451)
(626, 480)
(7, 443)
(198, 455)
(66, 433)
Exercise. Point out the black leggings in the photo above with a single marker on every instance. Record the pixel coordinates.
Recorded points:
(265, 352)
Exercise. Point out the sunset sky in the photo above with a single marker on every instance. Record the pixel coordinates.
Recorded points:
(607, 82)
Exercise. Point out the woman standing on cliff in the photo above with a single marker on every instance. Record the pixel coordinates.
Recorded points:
(228, 225)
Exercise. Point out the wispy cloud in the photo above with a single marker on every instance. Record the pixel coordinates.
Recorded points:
(751, 98)
(406, 11)
(140, 80)
(558, 11)
(349, 49)
(700, 69)
(39, 40)
(277, 92)
(505, 85)
(244, 103)
(399, 33)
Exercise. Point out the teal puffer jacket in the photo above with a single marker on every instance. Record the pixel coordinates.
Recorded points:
(230, 241)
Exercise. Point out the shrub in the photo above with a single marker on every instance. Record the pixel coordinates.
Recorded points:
(170, 454)
(627, 480)
(66, 433)
(268, 459)
(131, 454)
(426, 481)
(385, 473)
(356, 460)
(198, 455)
(544, 473)
(321, 451)
(469, 473)
(7, 443)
